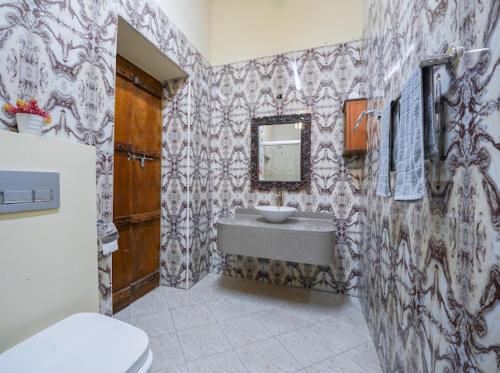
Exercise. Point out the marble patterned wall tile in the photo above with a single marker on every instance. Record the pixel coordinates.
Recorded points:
(430, 269)
(316, 80)
(63, 53)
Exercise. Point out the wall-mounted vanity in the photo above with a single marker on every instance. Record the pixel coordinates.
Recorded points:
(304, 238)
(280, 162)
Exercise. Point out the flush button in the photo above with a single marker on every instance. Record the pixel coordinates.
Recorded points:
(17, 196)
(42, 195)
(28, 191)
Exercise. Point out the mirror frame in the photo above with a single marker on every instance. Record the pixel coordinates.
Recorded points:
(305, 153)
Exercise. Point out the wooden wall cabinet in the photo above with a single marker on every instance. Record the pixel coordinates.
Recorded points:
(355, 142)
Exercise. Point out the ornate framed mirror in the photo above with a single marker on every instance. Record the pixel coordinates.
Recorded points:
(281, 152)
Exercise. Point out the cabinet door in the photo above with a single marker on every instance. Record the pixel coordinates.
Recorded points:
(355, 142)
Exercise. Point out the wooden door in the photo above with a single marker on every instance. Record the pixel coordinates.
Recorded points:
(137, 183)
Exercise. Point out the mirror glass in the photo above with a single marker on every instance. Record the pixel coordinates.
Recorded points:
(280, 152)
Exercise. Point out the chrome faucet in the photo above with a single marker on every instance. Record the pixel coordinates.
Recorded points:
(279, 198)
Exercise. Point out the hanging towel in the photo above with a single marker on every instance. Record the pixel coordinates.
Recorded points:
(384, 157)
(410, 177)
(430, 125)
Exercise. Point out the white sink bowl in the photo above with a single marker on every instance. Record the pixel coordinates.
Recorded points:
(276, 214)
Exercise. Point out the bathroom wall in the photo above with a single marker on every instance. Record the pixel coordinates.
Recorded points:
(326, 76)
(63, 53)
(430, 269)
(260, 28)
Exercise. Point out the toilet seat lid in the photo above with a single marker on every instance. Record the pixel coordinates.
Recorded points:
(83, 342)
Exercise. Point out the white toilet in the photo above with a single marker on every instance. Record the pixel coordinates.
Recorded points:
(82, 343)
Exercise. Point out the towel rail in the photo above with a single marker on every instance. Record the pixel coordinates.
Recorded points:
(378, 113)
(450, 58)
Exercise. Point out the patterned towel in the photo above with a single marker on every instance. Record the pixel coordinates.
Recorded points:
(410, 177)
(384, 151)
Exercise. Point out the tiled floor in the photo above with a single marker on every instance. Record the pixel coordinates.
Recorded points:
(227, 325)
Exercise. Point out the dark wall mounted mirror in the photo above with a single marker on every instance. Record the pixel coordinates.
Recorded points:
(281, 152)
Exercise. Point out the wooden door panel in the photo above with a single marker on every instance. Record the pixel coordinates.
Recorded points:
(143, 112)
(124, 96)
(146, 182)
(146, 236)
(145, 132)
(122, 187)
(121, 275)
(136, 199)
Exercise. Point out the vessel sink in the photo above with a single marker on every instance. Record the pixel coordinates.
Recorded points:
(276, 214)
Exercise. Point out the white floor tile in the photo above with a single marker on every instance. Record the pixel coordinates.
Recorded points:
(168, 289)
(259, 302)
(273, 329)
(267, 356)
(340, 334)
(152, 302)
(279, 321)
(357, 321)
(178, 369)
(228, 287)
(123, 315)
(336, 364)
(184, 298)
(172, 369)
(365, 356)
(191, 317)
(154, 323)
(337, 304)
(203, 341)
(211, 279)
(228, 308)
(307, 346)
(244, 330)
(311, 311)
(272, 296)
(167, 352)
(225, 362)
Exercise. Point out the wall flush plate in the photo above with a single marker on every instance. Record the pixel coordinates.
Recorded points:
(28, 191)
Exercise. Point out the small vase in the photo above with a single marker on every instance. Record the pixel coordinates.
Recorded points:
(29, 123)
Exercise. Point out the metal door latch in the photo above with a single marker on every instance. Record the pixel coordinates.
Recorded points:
(139, 157)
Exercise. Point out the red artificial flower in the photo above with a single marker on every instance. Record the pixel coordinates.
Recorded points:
(30, 107)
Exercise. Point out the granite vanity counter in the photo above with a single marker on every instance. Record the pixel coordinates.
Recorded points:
(296, 223)
(304, 238)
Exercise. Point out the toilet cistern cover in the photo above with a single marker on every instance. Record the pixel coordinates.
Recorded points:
(81, 343)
